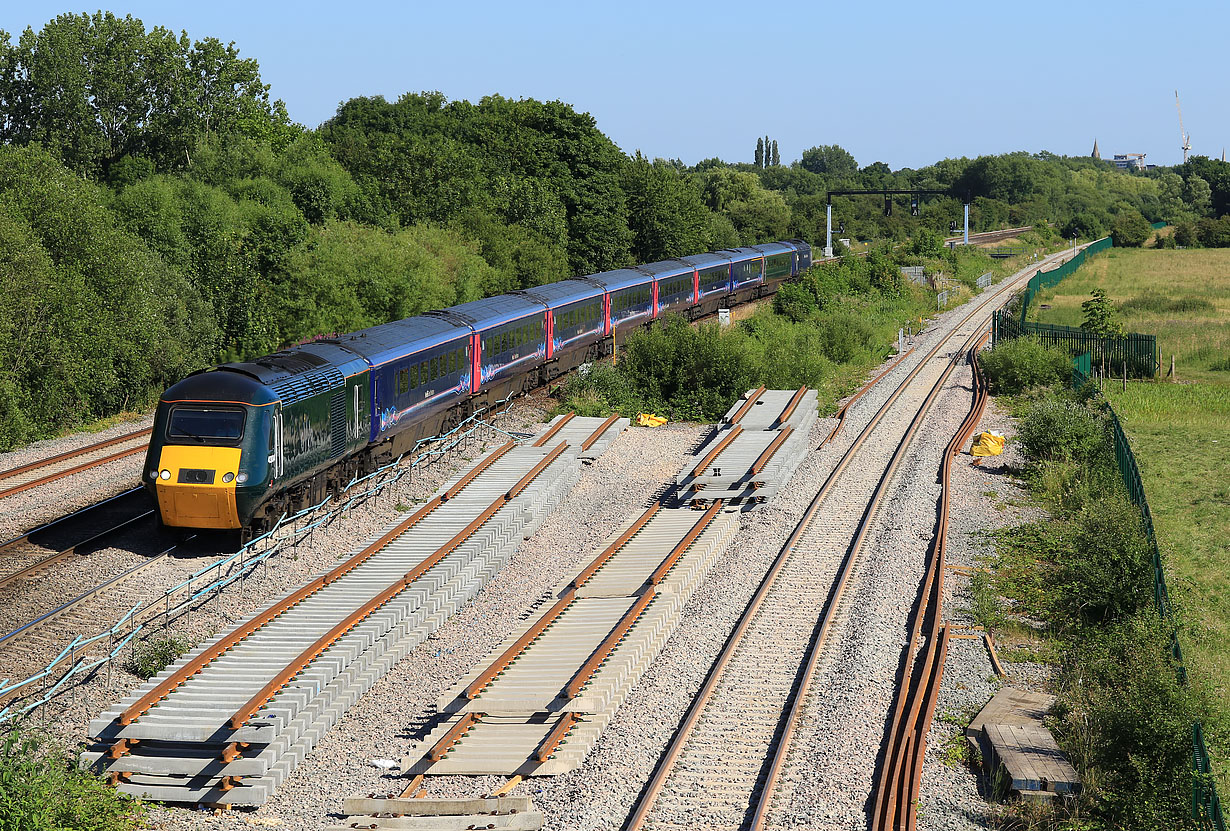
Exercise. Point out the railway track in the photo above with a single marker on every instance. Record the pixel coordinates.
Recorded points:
(44, 471)
(76, 533)
(732, 745)
(905, 747)
(230, 720)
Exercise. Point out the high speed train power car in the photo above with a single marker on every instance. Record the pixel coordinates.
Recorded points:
(239, 445)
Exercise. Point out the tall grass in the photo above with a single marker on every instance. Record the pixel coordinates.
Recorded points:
(1183, 297)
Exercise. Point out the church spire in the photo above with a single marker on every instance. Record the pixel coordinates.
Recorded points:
(1096, 154)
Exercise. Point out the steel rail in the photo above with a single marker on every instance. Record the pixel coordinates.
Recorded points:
(26, 628)
(748, 403)
(905, 743)
(307, 656)
(23, 537)
(72, 454)
(53, 477)
(51, 559)
(640, 812)
(845, 408)
(828, 616)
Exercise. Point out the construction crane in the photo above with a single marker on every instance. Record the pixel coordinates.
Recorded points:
(1187, 139)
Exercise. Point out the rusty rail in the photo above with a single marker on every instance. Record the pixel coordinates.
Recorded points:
(620, 541)
(440, 748)
(597, 434)
(501, 663)
(71, 454)
(555, 428)
(474, 473)
(896, 796)
(684, 544)
(578, 681)
(555, 738)
(747, 405)
(730, 436)
(774, 446)
(170, 684)
(300, 661)
(791, 407)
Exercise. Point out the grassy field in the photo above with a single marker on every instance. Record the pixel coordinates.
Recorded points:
(1180, 434)
(1183, 297)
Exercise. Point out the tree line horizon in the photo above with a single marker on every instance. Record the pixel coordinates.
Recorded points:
(160, 211)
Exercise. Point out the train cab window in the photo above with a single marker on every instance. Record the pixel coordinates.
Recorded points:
(205, 425)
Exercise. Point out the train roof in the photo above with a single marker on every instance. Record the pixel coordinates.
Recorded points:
(740, 254)
(223, 385)
(562, 292)
(495, 311)
(620, 278)
(770, 248)
(665, 268)
(389, 341)
(707, 260)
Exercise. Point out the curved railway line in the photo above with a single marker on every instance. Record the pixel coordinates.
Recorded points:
(752, 696)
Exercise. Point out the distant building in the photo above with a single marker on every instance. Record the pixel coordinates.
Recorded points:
(1097, 154)
(1130, 161)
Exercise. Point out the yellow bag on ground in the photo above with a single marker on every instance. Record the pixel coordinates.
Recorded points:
(650, 420)
(987, 443)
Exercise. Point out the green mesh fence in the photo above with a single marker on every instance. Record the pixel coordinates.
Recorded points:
(1135, 353)
(1206, 805)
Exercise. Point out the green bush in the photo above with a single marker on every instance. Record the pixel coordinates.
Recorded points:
(153, 656)
(1106, 572)
(42, 789)
(795, 301)
(1017, 365)
(1126, 721)
(1062, 430)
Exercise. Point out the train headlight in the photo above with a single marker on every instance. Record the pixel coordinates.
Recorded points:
(241, 478)
(165, 475)
(153, 474)
(228, 477)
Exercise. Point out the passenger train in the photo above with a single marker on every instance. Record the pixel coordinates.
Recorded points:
(239, 445)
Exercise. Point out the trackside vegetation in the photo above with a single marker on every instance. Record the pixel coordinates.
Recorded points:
(824, 330)
(1079, 586)
(160, 211)
(41, 789)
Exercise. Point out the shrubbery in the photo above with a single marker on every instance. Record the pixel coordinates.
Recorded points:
(41, 789)
(1017, 365)
(1087, 572)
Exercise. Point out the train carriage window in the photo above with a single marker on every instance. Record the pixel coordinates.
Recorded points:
(403, 381)
(414, 377)
(423, 376)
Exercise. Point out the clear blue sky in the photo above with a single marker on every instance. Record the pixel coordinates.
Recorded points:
(906, 83)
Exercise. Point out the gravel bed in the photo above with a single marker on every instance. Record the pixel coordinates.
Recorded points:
(399, 710)
(68, 715)
(27, 509)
